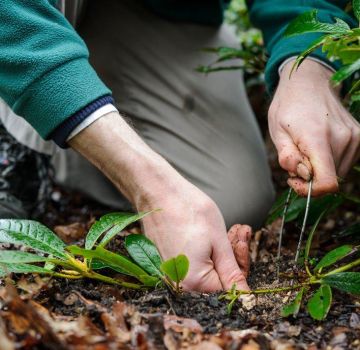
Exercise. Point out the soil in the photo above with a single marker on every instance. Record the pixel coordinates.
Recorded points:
(47, 313)
(79, 313)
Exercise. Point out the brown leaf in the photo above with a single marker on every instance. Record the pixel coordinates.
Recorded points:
(179, 324)
(71, 233)
(24, 317)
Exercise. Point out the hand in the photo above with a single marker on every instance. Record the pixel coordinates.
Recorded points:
(189, 222)
(313, 133)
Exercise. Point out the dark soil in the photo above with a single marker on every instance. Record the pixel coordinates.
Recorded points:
(84, 314)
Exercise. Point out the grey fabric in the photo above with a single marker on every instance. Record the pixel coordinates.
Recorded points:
(203, 125)
(73, 10)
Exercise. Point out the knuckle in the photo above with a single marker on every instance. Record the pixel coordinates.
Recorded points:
(236, 276)
(345, 134)
(286, 159)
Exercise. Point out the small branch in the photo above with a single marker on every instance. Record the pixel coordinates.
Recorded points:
(286, 207)
(97, 276)
(304, 222)
(342, 268)
(276, 290)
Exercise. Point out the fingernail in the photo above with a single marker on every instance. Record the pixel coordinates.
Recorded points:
(303, 172)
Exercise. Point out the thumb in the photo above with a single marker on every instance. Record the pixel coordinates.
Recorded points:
(227, 268)
(291, 158)
(239, 237)
(321, 157)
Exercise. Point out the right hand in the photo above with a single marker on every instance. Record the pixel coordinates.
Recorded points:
(190, 223)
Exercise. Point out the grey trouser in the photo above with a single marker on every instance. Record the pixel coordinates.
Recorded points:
(203, 125)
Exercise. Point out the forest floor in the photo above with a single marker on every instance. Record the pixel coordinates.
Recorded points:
(49, 313)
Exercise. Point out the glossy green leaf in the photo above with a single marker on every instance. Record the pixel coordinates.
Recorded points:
(176, 268)
(110, 225)
(126, 265)
(98, 265)
(294, 307)
(144, 253)
(319, 304)
(345, 281)
(333, 256)
(14, 256)
(313, 46)
(31, 234)
(6, 269)
(345, 72)
(308, 23)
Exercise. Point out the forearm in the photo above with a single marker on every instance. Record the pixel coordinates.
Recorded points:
(134, 168)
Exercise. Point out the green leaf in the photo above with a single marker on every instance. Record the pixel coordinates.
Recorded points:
(31, 234)
(144, 252)
(311, 235)
(345, 281)
(13, 256)
(308, 23)
(333, 256)
(319, 304)
(294, 307)
(313, 46)
(356, 9)
(110, 225)
(6, 269)
(99, 265)
(126, 265)
(345, 72)
(176, 268)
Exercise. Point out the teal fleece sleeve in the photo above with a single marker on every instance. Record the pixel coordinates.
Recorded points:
(273, 16)
(45, 75)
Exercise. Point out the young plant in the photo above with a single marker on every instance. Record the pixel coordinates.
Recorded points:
(324, 275)
(143, 267)
(339, 42)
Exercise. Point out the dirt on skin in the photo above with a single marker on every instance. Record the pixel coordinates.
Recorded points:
(84, 314)
(46, 313)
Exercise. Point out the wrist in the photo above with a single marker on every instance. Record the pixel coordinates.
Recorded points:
(309, 71)
(140, 174)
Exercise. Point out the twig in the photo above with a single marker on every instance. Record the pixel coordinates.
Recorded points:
(304, 222)
(286, 207)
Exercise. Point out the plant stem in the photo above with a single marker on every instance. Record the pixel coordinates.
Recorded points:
(276, 290)
(342, 268)
(97, 276)
(63, 275)
(281, 233)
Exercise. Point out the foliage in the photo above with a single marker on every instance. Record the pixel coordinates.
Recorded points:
(176, 269)
(249, 56)
(338, 42)
(142, 268)
(337, 277)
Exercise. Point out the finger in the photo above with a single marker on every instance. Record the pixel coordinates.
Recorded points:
(288, 153)
(239, 237)
(227, 267)
(351, 155)
(324, 172)
(204, 283)
(290, 157)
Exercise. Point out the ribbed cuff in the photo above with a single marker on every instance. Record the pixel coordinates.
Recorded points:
(62, 132)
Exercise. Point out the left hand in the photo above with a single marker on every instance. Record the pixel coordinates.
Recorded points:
(312, 131)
